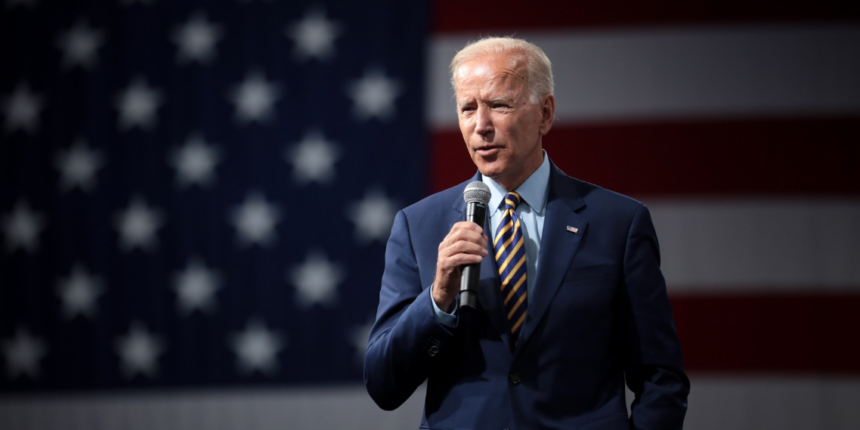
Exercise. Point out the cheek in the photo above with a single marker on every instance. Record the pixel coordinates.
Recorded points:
(524, 136)
(466, 125)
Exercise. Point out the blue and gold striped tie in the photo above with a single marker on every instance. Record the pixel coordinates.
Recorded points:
(511, 259)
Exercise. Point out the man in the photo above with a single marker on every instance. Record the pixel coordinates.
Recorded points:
(578, 306)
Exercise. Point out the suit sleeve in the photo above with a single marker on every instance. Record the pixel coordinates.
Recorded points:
(653, 362)
(406, 335)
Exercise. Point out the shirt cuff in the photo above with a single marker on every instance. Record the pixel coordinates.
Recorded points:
(442, 317)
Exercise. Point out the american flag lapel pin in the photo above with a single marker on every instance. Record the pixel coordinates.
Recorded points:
(572, 229)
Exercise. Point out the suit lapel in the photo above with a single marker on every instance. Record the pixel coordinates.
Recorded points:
(557, 247)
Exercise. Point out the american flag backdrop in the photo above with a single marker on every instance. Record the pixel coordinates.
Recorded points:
(195, 196)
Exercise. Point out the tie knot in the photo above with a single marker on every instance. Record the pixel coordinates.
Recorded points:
(512, 200)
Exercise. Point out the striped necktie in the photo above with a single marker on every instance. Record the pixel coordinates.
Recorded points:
(511, 259)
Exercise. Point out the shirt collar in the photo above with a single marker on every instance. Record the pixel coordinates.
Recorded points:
(533, 191)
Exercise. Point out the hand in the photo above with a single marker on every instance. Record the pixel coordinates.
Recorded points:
(464, 244)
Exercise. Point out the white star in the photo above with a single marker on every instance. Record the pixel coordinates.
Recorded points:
(316, 280)
(22, 109)
(373, 216)
(137, 225)
(358, 337)
(79, 45)
(137, 105)
(23, 353)
(255, 220)
(314, 36)
(139, 351)
(313, 159)
(255, 98)
(257, 348)
(373, 96)
(196, 39)
(195, 287)
(194, 162)
(78, 166)
(79, 292)
(22, 227)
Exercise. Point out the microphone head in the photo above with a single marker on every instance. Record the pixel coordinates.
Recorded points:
(477, 192)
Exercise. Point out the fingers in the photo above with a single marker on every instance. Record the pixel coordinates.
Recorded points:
(465, 232)
(464, 244)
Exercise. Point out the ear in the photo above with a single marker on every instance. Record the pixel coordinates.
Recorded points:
(547, 112)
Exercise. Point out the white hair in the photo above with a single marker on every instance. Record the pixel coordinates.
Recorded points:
(538, 68)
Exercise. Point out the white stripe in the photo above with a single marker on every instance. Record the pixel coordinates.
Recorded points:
(312, 408)
(758, 244)
(682, 72)
(750, 402)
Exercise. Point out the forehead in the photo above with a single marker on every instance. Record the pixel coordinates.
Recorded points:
(495, 73)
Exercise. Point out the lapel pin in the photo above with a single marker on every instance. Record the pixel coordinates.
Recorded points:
(572, 229)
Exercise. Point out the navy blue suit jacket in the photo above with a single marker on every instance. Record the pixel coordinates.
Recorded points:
(598, 313)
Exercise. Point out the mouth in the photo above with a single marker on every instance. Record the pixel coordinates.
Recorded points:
(487, 150)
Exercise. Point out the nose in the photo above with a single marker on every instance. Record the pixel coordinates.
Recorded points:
(484, 122)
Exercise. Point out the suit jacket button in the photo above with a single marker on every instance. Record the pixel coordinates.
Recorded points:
(515, 378)
(432, 350)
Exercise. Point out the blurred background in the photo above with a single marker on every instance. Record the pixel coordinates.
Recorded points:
(195, 196)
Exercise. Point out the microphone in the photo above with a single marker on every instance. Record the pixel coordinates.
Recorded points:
(476, 195)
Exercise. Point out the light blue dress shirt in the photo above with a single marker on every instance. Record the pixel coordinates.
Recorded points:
(531, 211)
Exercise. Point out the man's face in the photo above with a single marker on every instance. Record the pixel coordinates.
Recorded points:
(501, 127)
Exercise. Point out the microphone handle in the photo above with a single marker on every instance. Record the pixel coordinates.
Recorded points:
(470, 273)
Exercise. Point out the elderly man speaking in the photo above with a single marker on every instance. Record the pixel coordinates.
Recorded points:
(571, 302)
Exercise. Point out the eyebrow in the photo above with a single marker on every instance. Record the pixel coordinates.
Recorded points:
(468, 101)
(465, 102)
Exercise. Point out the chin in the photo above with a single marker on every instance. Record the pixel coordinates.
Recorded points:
(489, 172)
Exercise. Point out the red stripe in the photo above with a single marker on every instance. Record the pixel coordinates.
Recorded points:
(770, 333)
(818, 157)
(510, 16)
